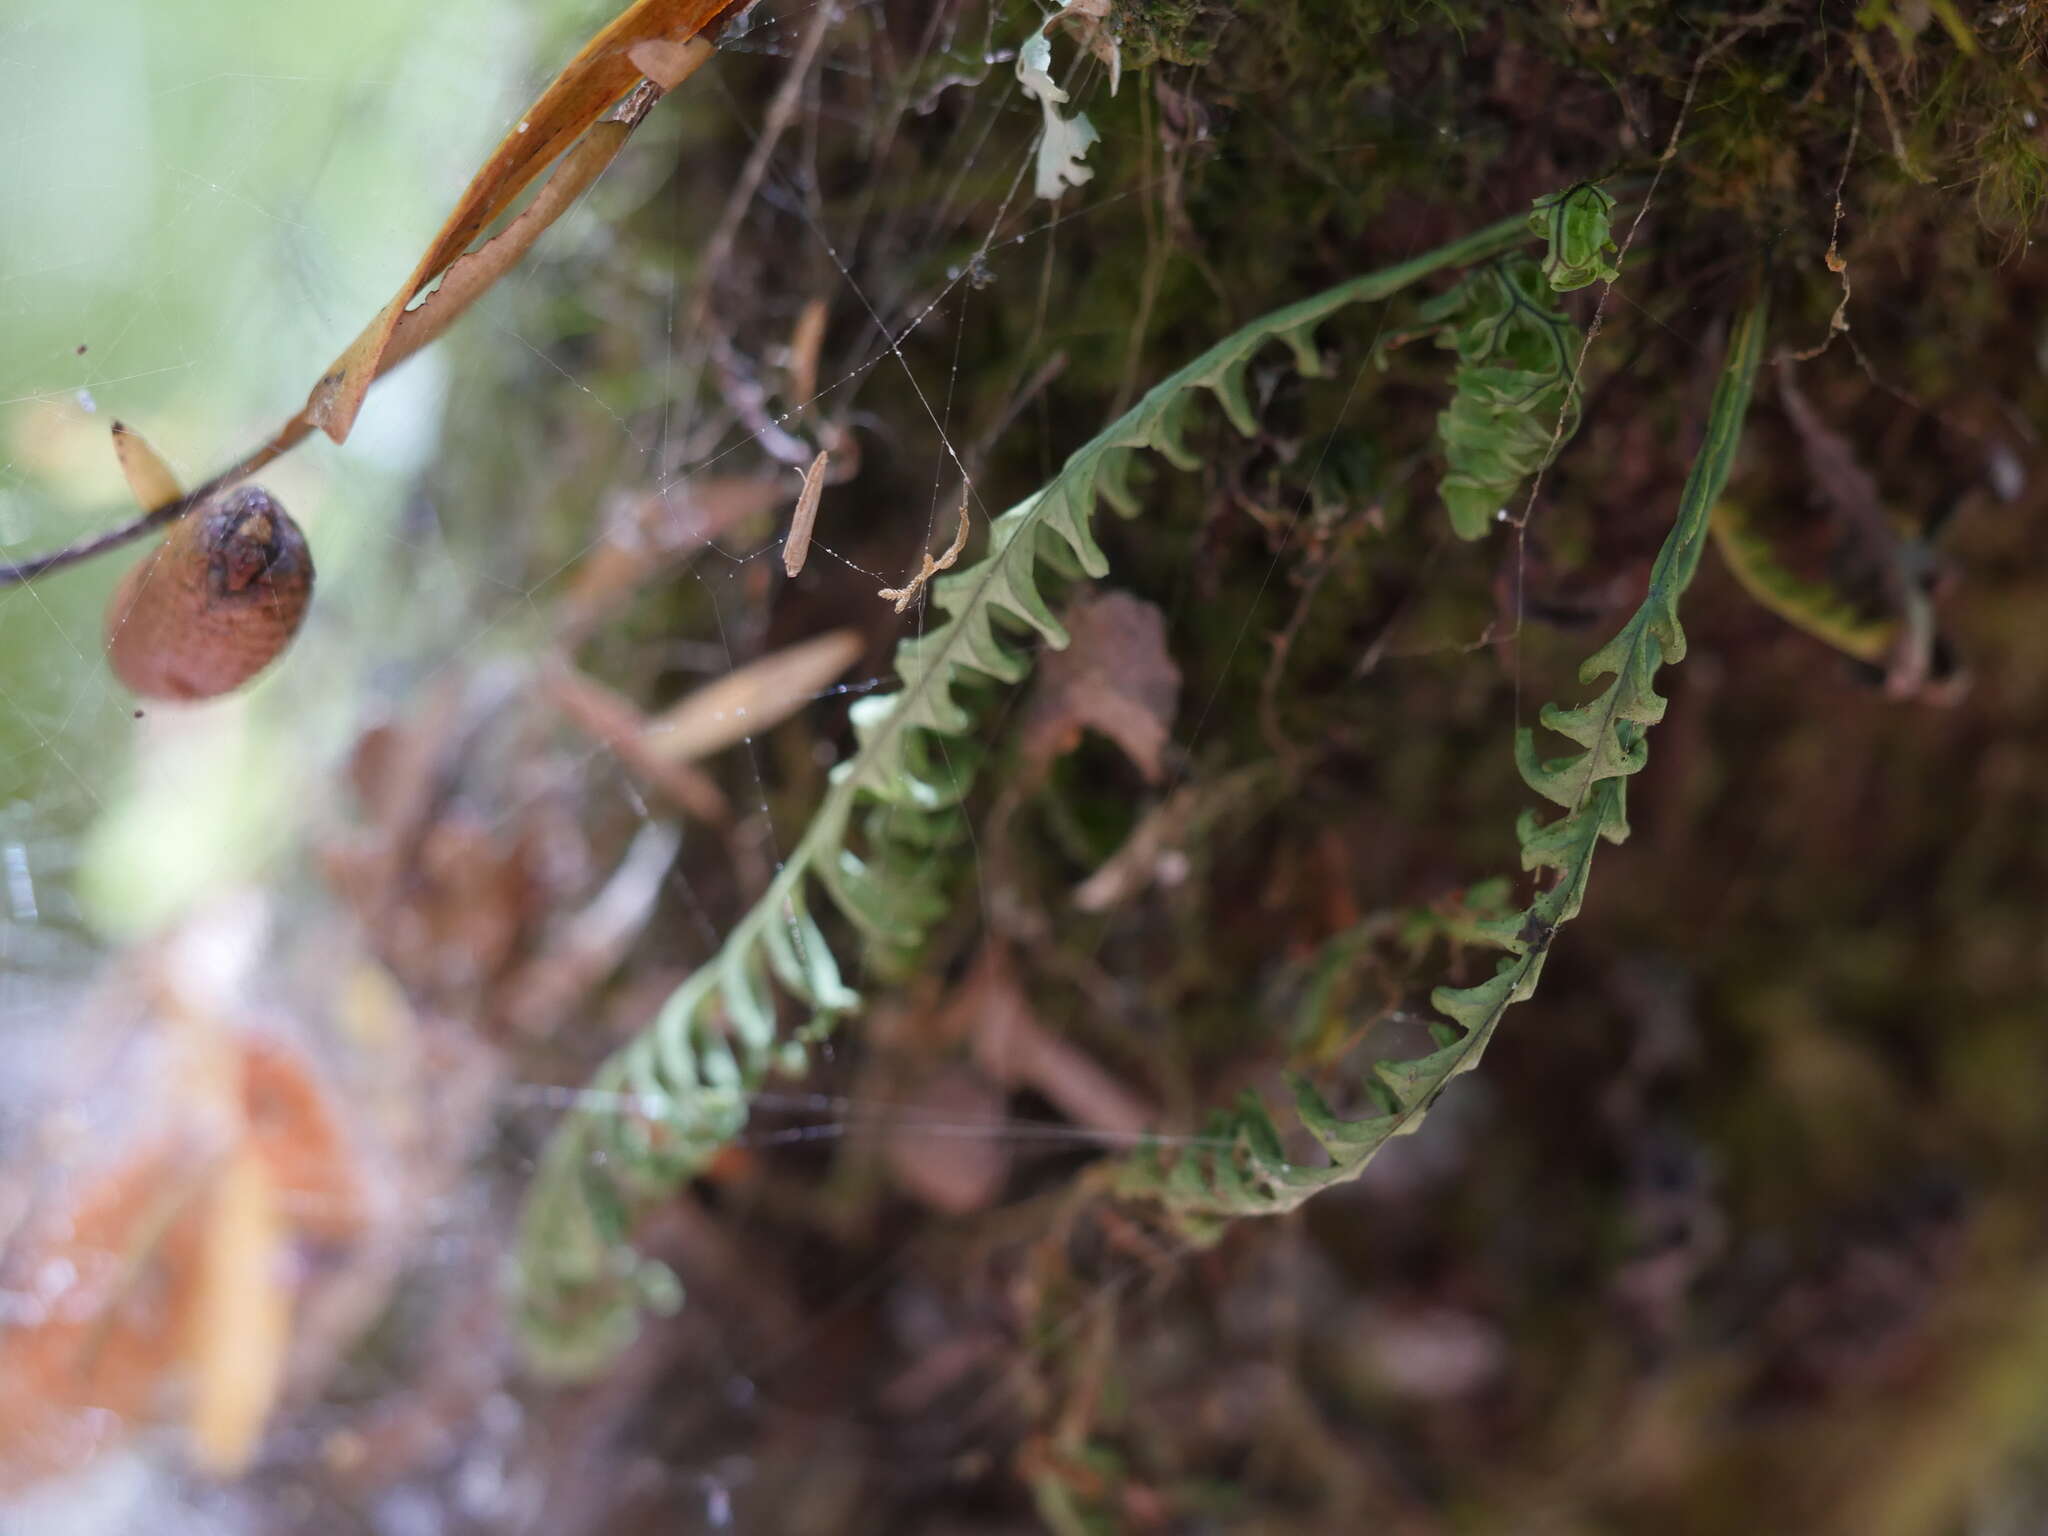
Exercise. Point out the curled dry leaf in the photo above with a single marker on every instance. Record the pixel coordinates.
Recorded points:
(1115, 677)
(651, 36)
(750, 699)
(216, 602)
(1089, 22)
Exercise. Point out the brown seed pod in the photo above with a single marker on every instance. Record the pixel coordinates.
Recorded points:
(215, 603)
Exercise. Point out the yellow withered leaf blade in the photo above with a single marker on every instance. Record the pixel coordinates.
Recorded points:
(149, 477)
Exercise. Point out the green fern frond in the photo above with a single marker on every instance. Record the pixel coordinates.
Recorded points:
(1249, 1173)
(1816, 607)
(1576, 226)
(1515, 399)
(661, 1107)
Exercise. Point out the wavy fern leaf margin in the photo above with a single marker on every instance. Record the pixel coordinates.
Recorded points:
(1515, 398)
(661, 1107)
(1243, 1169)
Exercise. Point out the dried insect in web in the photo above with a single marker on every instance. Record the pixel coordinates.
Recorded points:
(906, 594)
(797, 547)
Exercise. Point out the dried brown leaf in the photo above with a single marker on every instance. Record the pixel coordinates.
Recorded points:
(112, 1339)
(797, 547)
(175, 1255)
(749, 699)
(651, 35)
(612, 720)
(1116, 678)
(1088, 20)
(1013, 1048)
(291, 1125)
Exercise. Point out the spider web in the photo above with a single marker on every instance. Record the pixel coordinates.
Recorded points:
(198, 213)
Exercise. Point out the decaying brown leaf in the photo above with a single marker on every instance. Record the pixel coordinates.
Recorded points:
(749, 699)
(291, 1125)
(797, 547)
(651, 35)
(1115, 677)
(1089, 22)
(611, 719)
(990, 1010)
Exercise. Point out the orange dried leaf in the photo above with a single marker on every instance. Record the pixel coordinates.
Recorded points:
(292, 1127)
(108, 1333)
(471, 275)
(652, 35)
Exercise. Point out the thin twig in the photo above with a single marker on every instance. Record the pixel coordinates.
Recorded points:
(1838, 322)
